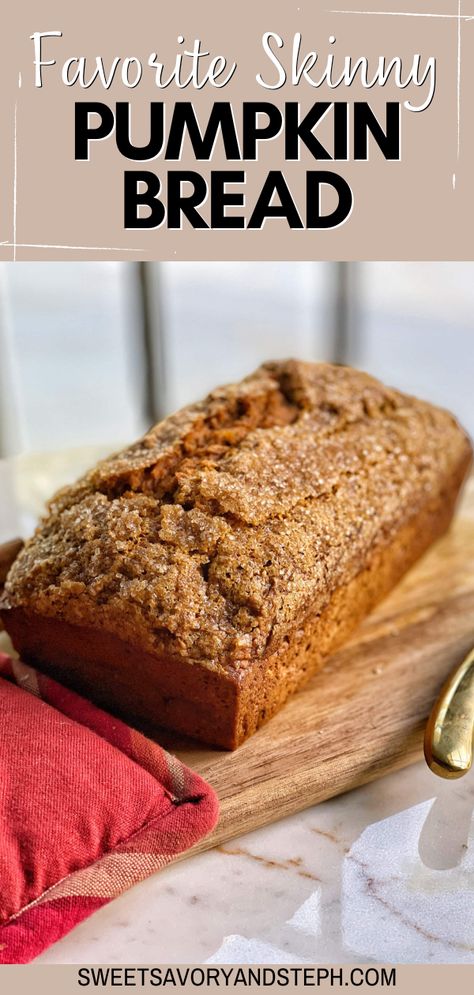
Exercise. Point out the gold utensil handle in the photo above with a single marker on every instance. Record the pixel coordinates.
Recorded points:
(449, 733)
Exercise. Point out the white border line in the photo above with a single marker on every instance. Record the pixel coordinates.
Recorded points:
(405, 13)
(459, 17)
(15, 177)
(459, 81)
(80, 248)
(14, 244)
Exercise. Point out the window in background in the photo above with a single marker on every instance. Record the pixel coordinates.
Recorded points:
(415, 330)
(75, 352)
(76, 335)
(223, 319)
(77, 344)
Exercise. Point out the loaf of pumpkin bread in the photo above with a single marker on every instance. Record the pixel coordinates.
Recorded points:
(197, 578)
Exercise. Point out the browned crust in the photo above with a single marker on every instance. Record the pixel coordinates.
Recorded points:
(218, 708)
(273, 680)
(215, 536)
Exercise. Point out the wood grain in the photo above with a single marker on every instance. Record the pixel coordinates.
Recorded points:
(363, 715)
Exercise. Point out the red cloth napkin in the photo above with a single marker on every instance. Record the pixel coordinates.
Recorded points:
(88, 807)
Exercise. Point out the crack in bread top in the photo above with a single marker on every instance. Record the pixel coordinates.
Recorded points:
(216, 535)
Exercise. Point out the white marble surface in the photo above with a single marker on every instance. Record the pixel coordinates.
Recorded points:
(383, 873)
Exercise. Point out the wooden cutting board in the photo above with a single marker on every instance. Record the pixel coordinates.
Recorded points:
(363, 715)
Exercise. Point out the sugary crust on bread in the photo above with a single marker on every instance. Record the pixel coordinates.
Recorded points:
(218, 534)
(155, 690)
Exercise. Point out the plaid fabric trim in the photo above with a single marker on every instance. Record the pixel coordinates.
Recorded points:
(192, 815)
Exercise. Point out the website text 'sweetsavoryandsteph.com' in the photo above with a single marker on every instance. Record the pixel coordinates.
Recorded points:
(237, 977)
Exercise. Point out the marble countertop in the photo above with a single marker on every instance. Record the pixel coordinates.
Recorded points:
(383, 873)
